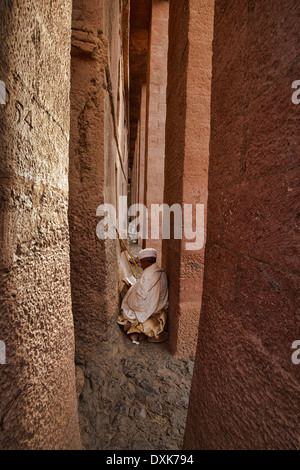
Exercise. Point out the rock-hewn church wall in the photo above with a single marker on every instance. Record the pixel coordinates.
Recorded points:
(156, 119)
(38, 406)
(245, 390)
(98, 160)
(186, 161)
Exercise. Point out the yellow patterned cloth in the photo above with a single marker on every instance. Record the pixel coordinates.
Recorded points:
(153, 326)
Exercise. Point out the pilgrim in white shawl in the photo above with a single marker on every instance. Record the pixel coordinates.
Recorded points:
(144, 307)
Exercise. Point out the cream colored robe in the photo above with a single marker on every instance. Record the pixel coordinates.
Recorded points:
(148, 296)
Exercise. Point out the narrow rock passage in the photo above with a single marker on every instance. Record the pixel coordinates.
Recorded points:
(135, 397)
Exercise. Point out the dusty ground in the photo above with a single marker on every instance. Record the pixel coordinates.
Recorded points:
(134, 397)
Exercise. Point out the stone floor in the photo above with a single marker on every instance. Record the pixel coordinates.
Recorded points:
(134, 397)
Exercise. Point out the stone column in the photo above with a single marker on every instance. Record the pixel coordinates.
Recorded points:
(186, 165)
(156, 111)
(137, 181)
(98, 166)
(245, 390)
(38, 406)
(142, 127)
(142, 143)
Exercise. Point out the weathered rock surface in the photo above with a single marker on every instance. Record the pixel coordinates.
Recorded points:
(135, 397)
(245, 392)
(38, 407)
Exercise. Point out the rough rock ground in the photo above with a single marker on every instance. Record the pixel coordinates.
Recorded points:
(133, 397)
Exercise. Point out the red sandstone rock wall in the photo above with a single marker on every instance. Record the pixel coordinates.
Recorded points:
(138, 167)
(142, 145)
(38, 406)
(156, 115)
(98, 159)
(186, 164)
(245, 391)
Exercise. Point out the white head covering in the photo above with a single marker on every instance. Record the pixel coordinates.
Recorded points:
(147, 253)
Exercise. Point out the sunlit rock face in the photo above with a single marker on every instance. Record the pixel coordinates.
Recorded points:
(38, 408)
